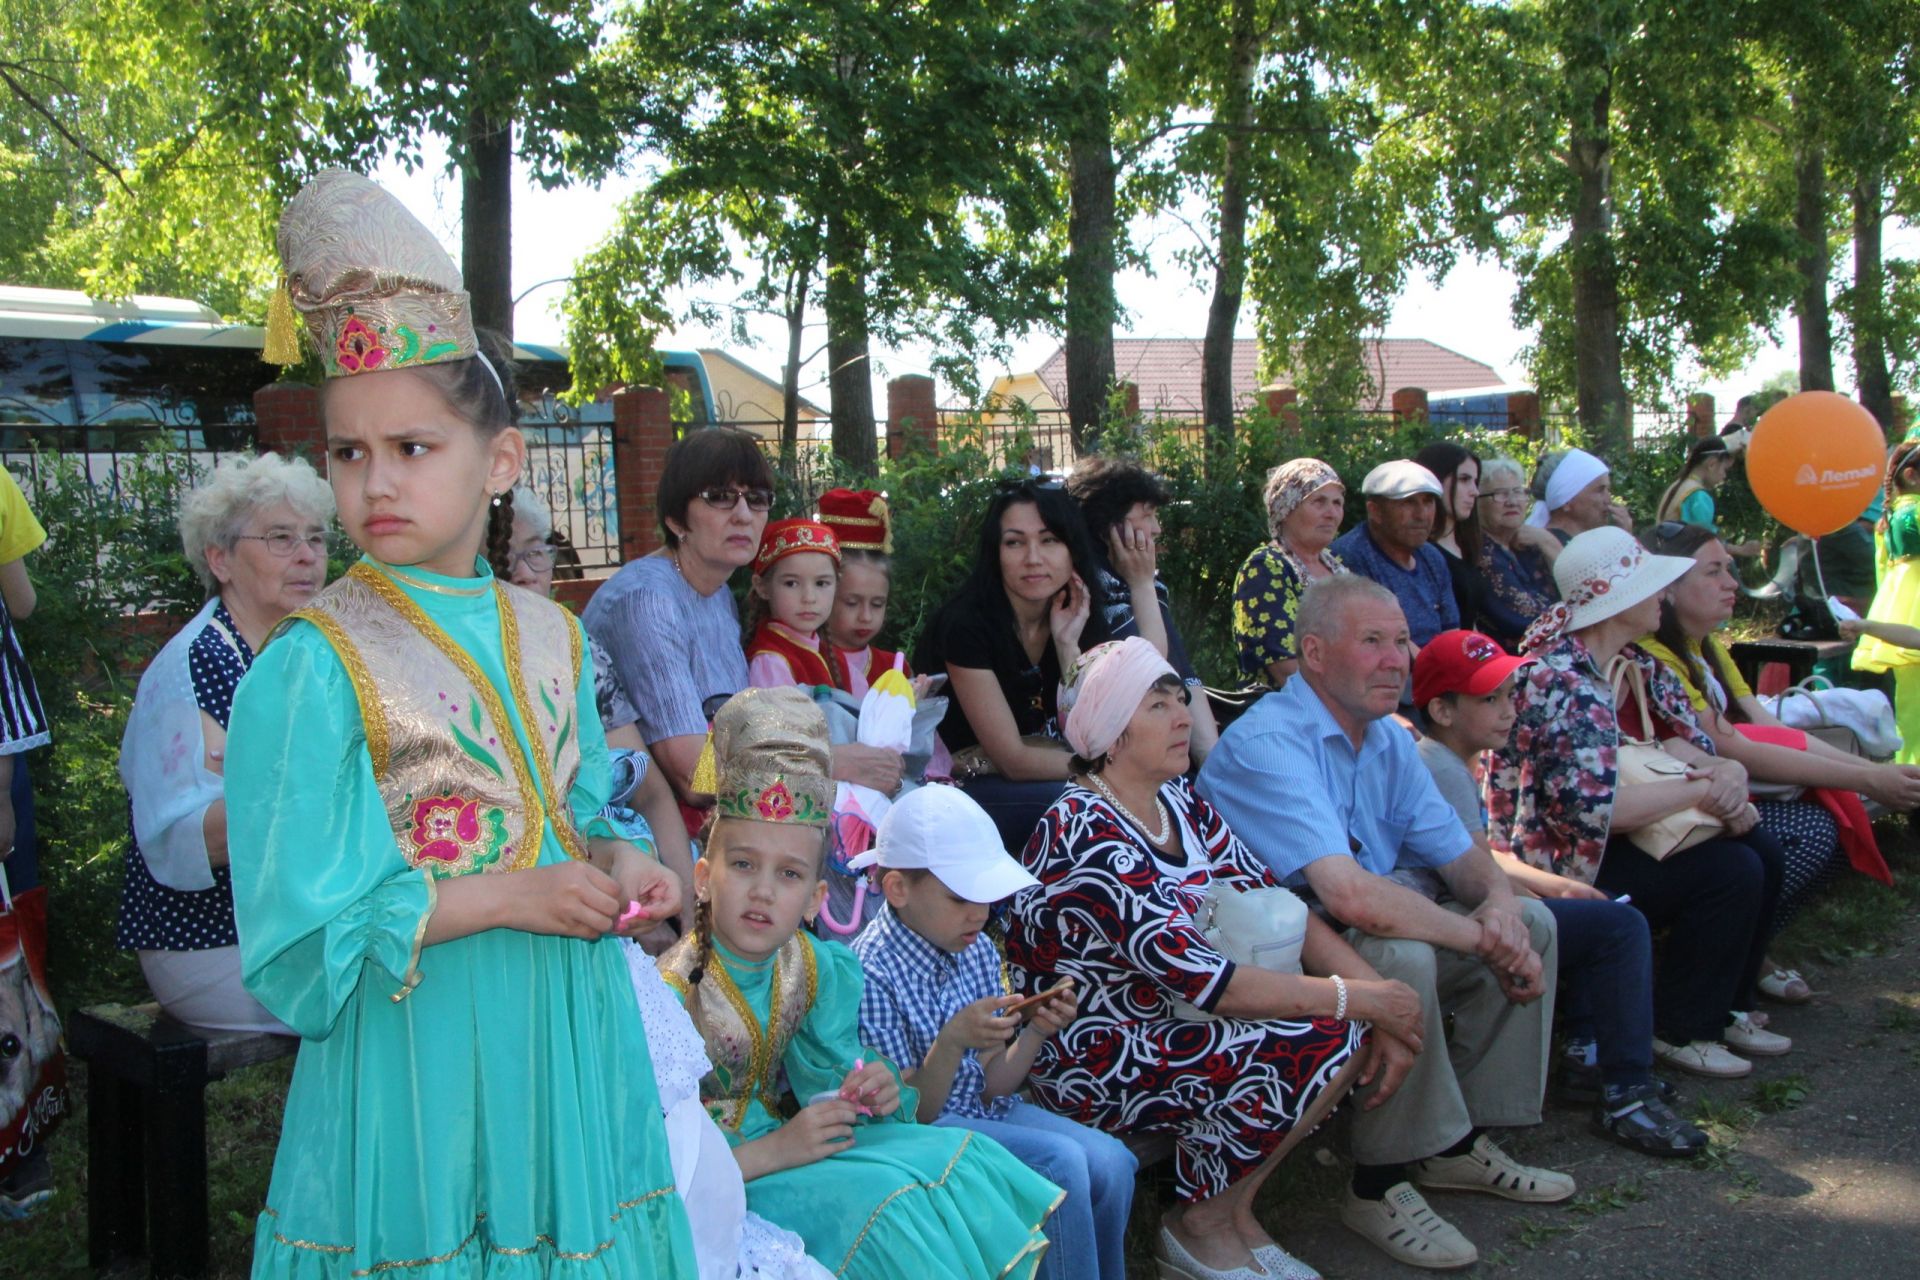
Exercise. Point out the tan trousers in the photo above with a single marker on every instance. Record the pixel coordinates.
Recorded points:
(1490, 1071)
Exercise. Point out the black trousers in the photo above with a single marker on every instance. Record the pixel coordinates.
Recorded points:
(1716, 898)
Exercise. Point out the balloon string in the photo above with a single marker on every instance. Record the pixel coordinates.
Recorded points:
(1819, 578)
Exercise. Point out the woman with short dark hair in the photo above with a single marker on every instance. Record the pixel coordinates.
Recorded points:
(667, 619)
(1120, 501)
(1004, 639)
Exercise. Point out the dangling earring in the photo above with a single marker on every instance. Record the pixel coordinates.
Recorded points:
(499, 497)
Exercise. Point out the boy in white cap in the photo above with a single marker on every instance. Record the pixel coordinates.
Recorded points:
(935, 997)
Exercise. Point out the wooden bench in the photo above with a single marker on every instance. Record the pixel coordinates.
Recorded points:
(1799, 656)
(147, 1076)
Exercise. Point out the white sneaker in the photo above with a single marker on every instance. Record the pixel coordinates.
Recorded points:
(1702, 1058)
(1754, 1041)
(1485, 1167)
(1407, 1230)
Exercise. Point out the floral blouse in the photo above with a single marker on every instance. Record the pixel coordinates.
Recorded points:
(1550, 790)
(1266, 596)
(1519, 589)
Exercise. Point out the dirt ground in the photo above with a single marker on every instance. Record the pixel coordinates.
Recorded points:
(1815, 1172)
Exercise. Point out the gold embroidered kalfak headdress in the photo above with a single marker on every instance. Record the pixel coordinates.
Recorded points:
(374, 287)
(771, 758)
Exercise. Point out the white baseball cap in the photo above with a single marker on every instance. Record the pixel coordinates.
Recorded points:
(940, 829)
(1401, 478)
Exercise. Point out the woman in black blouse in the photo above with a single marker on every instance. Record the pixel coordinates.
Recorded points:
(1019, 620)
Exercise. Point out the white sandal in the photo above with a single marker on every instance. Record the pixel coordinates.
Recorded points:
(1785, 986)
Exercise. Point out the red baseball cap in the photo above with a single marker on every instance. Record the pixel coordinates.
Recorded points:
(1461, 662)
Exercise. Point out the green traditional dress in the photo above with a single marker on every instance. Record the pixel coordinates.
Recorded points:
(485, 1107)
(903, 1201)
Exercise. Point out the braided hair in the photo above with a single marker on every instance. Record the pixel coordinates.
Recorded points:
(499, 541)
(1899, 460)
(703, 908)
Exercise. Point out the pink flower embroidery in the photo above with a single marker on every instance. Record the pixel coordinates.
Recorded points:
(358, 349)
(453, 832)
(775, 803)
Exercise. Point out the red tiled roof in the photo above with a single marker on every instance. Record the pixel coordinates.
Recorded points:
(1167, 371)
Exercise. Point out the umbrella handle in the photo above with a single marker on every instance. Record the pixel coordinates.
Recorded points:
(859, 904)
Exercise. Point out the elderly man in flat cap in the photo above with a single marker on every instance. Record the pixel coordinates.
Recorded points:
(1391, 547)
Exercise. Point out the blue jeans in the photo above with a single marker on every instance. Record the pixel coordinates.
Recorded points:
(1096, 1171)
(1606, 958)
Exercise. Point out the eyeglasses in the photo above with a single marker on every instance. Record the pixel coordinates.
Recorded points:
(538, 559)
(726, 498)
(284, 544)
(1504, 495)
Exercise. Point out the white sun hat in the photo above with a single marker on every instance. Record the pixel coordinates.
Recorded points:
(1601, 573)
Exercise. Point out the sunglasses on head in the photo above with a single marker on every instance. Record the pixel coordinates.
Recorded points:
(727, 497)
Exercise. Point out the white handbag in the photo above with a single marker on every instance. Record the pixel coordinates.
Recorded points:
(1264, 927)
(1815, 704)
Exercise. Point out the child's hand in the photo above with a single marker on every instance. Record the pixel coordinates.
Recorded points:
(815, 1133)
(871, 1085)
(568, 899)
(922, 688)
(981, 1025)
(1852, 628)
(645, 884)
(1050, 1017)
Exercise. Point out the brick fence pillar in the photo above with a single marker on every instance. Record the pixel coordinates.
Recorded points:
(287, 422)
(1701, 420)
(1283, 404)
(642, 434)
(1523, 414)
(913, 413)
(1130, 400)
(1410, 404)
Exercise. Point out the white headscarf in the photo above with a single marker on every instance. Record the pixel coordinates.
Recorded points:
(1101, 693)
(1576, 471)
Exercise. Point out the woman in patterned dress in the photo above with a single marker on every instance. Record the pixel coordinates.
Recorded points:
(1239, 1084)
(256, 533)
(1305, 501)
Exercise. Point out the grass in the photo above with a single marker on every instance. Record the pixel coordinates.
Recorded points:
(1784, 1093)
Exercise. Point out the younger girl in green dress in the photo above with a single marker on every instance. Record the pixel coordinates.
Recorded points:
(422, 888)
(823, 1130)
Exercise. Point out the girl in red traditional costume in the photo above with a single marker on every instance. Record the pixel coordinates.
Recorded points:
(858, 518)
(794, 577)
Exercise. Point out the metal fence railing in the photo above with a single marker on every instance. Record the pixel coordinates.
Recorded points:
(105, 447)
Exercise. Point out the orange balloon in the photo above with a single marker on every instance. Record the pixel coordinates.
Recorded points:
(1815, 461)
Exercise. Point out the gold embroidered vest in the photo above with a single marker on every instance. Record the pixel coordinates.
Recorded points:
(746, 1056)
(461, 794)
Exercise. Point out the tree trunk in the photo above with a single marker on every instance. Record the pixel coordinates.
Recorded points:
(1872, 385)
(797, 283)
(486, 223)
(1230, 270)
(849, 371)
(1091, 228)
(1600, 391)
(1815, 265)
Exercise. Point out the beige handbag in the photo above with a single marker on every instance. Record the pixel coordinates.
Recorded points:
(1639, 760)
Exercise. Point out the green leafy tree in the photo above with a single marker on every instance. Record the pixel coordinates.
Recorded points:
(117, 175)
(340, 82)
(882, 151)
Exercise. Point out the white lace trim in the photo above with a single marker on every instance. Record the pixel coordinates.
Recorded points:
(679, 1056)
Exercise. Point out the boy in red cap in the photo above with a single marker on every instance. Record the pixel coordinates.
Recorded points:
(1463, 685)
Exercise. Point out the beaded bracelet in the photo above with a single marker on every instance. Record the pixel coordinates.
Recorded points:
(1340, 1001)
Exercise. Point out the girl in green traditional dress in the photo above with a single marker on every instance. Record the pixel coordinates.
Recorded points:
(422, 889)
(823, 1130)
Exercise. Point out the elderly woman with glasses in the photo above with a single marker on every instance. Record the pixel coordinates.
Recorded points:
(670, 625)
(1515, 558)
(256, 534)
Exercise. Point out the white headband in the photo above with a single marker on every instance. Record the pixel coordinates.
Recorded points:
(1576, 471)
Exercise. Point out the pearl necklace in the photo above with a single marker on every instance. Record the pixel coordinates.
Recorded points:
(1159, 809)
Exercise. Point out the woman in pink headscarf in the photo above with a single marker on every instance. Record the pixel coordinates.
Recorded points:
(1172, 1036)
